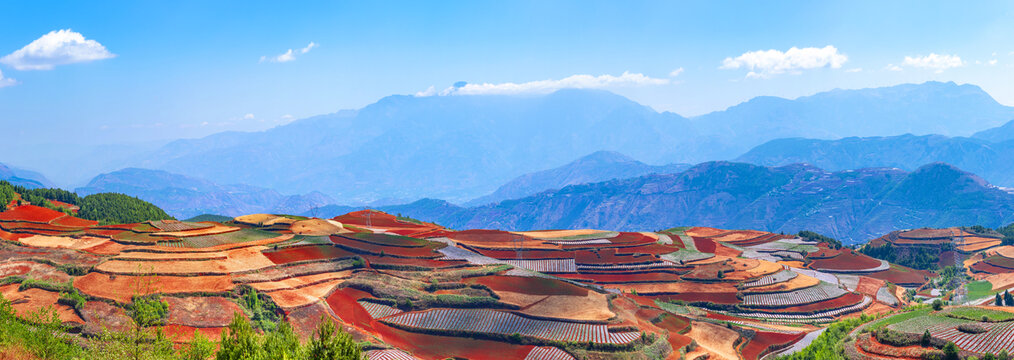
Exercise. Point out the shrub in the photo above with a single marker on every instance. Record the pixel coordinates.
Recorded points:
(972, 328)
(73, 299)
(330, 343)
(938, 305)
(149, 310)
(951, 351)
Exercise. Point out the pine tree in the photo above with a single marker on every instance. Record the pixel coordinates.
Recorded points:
(998, 301)
(1008, 300)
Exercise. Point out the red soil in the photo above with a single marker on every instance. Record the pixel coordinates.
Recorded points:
(385, 240)
(442, 347)
(846, 260)
(869, 344)
(528, 285)
(415, 252)
(900, 277)
(30, 213)
(381, 220)
(343, 303)
(12, 236)
(705, 245)
(982, 266)
(676, 325)
(480, 236)
(823, 252)
(721, 249)
(759, 345)
(869, 286)
(74, 221)
(305, 253)
(201, 311)
(631, 238)
(927, 234)
(621, 278)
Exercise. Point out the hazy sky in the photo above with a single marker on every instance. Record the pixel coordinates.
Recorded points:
(140, 71)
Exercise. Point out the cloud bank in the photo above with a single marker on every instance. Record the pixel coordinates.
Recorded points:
(933, 61)
(579, 81)
(58, 47)
(289, 55)
(6, 81)
(765, 63)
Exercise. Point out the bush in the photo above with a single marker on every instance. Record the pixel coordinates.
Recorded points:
(73, 299)
(147, 311)
(938, 305)
(972, 328)
(951, 351)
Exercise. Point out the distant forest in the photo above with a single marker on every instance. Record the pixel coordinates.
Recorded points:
(106, 208)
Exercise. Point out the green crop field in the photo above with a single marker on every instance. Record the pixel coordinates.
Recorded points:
(979, 289)
(974, 313)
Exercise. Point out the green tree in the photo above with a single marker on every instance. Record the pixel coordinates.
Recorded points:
(200, 348)
(951, 351)
(926, 338)
(239, 341)
(330, 343)
(1008, 299)
(938, 305)
(998, 301)
(282, 343)
(119, 209)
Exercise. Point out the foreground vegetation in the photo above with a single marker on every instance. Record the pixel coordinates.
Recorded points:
(829, 344)
(41, 335)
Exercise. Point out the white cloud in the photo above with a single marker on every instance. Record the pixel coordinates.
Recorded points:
(676, 72)
(548, 86)
(289, 55)
(854, 70)
(892, 67)
(58, 47)
(6, 81)
(993, 62)
(933, 61)
(764, 63)
(308, 48)
(248, 117)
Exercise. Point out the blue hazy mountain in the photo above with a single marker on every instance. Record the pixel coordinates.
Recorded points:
(21, 177)
(596, 167)
(998, 134)
(185, 197)
(993, 161)
(462, 147)
(852, 205)
(921, 109)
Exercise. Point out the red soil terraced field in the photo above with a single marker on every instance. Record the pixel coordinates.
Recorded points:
(845, 260)
(307, 253)
(30, 213)
(609, 256)
(838, 302)
(901, 276)
(869, 286)
(528, 285)
(984, 267)
(526, 253)
(379, 261)
(396, 251)
(631, 239)
(33, 300)
(73, 222)
(927, 234)
(201, 311)
(623, 278)
(122, 288)
(764, 341)
(180, 334)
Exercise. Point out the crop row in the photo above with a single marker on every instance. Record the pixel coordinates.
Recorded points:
(548, 353)
(505, 323)
(1000, 336)
(378, 311)
(778, 277)
(550, 266)
(664, 264)
(823, 315)
(389, 354)
(823, 291)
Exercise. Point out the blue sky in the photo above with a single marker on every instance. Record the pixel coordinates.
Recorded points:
(164, 70)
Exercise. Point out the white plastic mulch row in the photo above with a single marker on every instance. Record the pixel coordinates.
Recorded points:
(548, 353)
(884, 265)
(548, 265)
(884, 295)
(778, 277)
(389, 354)
(998, 337)
(824, 315)
(820, 292)
(378, 311)
(505, 323)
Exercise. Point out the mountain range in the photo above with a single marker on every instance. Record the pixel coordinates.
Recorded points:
(184, 197)
(21, 177)
(852, 205)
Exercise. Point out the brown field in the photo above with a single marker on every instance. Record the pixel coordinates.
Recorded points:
(717, 340)
(300, 281)
(33, 300)
(201, 311)
(558, 233)
(1001, 281)
(293, 298)
(238, 260)
(704, 231)
(122, 288)
(316, 227)
(593, 306)
(263, 219)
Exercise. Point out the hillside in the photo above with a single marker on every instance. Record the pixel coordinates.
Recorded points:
(21, 177)
(992, 161)
(185, 197)
(596, 167)
(463, 147)
(851, 205)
